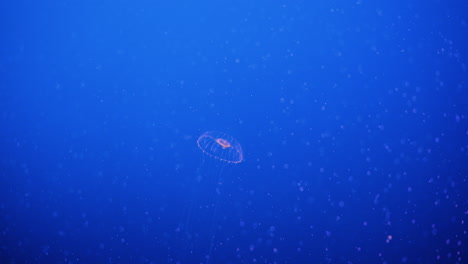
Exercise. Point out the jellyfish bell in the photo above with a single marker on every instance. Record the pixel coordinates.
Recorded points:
(220, 146)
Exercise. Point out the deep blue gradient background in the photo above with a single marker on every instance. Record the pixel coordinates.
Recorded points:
(352, 116)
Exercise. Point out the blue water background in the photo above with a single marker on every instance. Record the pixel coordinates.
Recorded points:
(352, 116)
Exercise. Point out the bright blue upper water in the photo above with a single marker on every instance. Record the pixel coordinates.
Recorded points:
(352, 116)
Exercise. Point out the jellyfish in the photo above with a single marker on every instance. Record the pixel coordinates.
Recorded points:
(219, 151)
